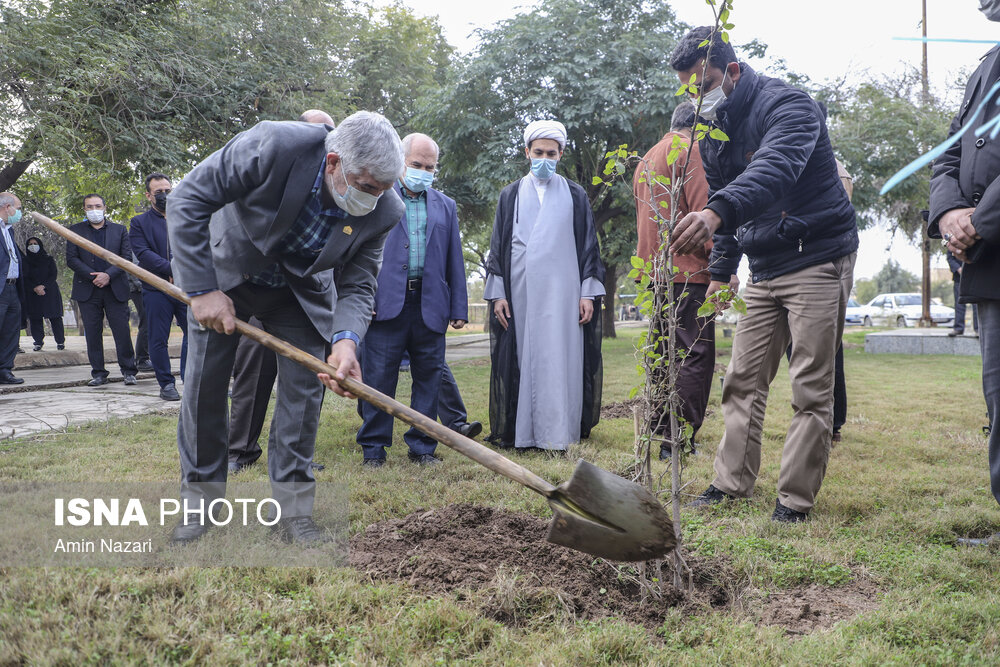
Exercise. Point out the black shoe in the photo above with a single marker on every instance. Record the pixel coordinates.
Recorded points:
(710, 496)
(145, 366)
(316, 466)
(37, 347)
(784, 514)
(424, 459)
(469, 429)
(60, 346)
(373, 463)
(528, 450)
(954, 332)
(20, 350)
(978, 541)
(6, 377)
(235, 467)
(189, 529)
(130, 380)
(169, 393)
(300, 530)
(98, 382)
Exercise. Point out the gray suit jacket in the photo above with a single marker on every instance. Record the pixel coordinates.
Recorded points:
(227, 217)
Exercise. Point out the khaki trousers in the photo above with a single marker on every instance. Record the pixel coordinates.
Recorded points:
(806, 308)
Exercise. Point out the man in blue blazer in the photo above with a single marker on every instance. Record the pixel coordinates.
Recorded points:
(148, 236)
(11, 272)
(101, 290)
(421, 289)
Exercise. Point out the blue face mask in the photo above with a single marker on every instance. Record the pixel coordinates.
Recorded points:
(417, 180)
(15, 218)
(543, 167)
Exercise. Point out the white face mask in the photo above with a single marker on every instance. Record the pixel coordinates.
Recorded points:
(353, 201)
(712, 100)
(33, 248)
(95, 216)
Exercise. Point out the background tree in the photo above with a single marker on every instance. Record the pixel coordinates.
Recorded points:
(894, 278)
(877, 127)
(600, 67)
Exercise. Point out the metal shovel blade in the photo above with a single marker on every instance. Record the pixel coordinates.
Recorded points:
(600, 513)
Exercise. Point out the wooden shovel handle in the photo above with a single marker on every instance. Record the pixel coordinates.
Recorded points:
(479, 453)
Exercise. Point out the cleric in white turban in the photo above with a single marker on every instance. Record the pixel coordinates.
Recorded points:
(545, 129)
(545, 281)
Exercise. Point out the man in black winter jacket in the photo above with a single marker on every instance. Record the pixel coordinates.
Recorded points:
(775, 196)
(965, 213)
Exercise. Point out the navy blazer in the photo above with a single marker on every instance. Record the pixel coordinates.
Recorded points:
(148, 235)
(443, 291)
(82, 262)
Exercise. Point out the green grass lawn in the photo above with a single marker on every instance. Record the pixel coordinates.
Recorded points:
(908, 478)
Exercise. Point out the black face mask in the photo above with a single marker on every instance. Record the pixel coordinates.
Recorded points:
(161, 202)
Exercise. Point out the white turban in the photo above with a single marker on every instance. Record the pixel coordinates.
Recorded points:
(545, 129)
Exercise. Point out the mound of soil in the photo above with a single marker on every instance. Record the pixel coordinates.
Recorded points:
(468, 547)
(519, 577)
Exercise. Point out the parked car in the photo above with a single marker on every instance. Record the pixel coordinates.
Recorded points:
(904, 310)
(855, 313)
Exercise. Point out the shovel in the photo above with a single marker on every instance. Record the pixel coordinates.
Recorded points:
(595, 512)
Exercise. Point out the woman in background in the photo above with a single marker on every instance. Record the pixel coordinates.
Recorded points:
(42, 295)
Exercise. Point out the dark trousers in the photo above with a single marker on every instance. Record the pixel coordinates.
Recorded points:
(385, 343)
(254, 372)
(451, 408)
(38, 330)
(695, 336)
(101, 304)
(161, 312)
(989, 342)
(10, 324)
(142, 337)
(203, 427)
(960, 307)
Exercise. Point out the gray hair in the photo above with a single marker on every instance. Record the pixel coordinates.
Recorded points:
(7, 198)
(367, 141)
(683, 116)
(408, 143)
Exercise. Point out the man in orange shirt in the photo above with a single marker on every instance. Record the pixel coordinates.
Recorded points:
(695, 335)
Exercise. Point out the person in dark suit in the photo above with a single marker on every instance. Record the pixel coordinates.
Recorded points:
(958, 327)
(142, 335)
(102, 290)
(965, 215)
(421, 289)
(43, 298)
(11, 265)
(148, 236)
(258, 229)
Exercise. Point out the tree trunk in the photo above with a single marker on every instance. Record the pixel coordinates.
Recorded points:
(610, 285)
(11, 172)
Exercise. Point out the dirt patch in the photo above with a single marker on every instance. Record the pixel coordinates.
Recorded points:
(517, 577)
(619, 410)
(803, 610)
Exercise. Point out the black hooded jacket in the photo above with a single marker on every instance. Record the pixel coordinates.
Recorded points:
(774, 183)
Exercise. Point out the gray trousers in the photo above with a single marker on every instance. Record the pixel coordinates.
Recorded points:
(203, 428)
(989, 340)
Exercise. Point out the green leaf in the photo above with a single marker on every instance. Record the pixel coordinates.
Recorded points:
(716, 133)
(596, 180)
(706, 309)
(636, 262)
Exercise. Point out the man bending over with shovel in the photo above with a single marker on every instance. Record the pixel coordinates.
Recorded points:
(257, 229)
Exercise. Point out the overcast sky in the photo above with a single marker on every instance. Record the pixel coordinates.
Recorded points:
(850, 38)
